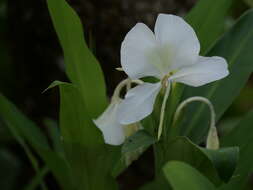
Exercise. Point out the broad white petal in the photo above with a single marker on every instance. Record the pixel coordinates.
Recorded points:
(113, 131)
(138, 103)
(180, 45)
(206, 70)
(139, 56)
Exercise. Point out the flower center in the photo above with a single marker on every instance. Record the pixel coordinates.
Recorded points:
(165, 79)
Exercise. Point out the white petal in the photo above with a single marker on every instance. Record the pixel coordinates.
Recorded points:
(138, 103)
(139, 57)
(206, 70)
(112, 130)
(180, 45)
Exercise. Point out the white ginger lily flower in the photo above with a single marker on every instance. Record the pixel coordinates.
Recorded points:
(171, 54)
(115, 133)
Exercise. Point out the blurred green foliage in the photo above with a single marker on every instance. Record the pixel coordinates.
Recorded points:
(82, 101)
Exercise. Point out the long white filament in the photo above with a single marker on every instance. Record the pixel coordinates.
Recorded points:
(127, 82)
(165, 98)
(212, 138)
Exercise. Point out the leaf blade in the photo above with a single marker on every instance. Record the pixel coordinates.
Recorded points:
(25, 130)
(183, 177)
(206, 16)
(81, 66)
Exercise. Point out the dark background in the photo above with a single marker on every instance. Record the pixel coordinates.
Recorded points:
(31, 59)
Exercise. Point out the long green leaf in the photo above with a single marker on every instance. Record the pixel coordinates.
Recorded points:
(17, 133)
(90, 159)
(182, 149)
(208, 19)
(241, 136)
(184, 177)
(139, 140)
(12, 116)
(82, 67)
(54, 134)
(236, 46)
(36, 180)
(241, 133)
(25, 130)
(225, 161)
(76, 126)
(244, 169)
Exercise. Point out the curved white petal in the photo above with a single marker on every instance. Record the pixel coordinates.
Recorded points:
(138, 103)
(113, 131)
(179, 44)
(206, 70)
(139, 56)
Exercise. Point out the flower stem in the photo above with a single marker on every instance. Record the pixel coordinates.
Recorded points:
(212, 139)
(167, 92)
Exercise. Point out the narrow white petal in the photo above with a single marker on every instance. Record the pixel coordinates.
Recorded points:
(180, 45)
(138, 103)
(113, 131)
(206, 70)
(139, 57)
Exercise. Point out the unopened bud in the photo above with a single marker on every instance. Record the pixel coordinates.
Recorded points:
(212, 141)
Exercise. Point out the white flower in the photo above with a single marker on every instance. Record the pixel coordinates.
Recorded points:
(115, 133)
(112, 130)
(171, 54)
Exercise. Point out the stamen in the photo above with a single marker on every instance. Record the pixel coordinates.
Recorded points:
(119, 69)
(167, 92)
(127, 82)
(164, 80)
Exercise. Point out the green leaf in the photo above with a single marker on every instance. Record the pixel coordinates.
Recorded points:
(225, 161)
(5, 135)
(153, 185)
(75, 123)
(25, 130)
(182, 176)
(235, 183)
(18, 133)
(14, 118)
(140, 139)
(182, 149)
(132, 149)
(227, 124)
(55, 84)
(82, 67)
(241, 136)
(89, 158)
(242, 173)
(37, 179)
(236, 47)
(54, 134)
(59, 167)
(208, 19)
